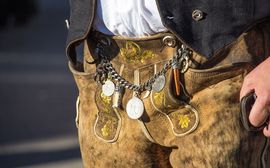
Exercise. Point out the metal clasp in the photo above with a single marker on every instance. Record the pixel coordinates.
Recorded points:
(169, 41)
(184, 59)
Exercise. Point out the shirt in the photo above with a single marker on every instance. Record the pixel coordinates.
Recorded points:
(129, 18)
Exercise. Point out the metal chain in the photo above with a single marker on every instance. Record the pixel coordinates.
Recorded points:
(106, 69)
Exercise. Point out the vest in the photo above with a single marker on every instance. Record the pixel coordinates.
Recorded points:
(205, 26)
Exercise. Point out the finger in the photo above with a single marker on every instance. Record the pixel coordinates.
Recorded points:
(245, 89)
(259, 112)
(266, 130)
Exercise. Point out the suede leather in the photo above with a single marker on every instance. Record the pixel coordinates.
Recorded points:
(211, 87)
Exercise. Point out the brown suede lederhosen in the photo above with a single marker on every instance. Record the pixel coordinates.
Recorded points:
(199, 128)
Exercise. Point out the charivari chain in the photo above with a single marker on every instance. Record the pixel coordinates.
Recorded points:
(105, 69)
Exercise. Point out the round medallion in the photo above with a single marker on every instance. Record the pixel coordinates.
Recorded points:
(159, 83)
(108, 88)
(135, 108)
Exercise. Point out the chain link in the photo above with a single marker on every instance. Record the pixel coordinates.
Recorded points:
(105, 69)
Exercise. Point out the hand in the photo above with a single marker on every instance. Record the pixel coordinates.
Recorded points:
(258, 80)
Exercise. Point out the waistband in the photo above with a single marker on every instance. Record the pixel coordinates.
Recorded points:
(250, 47)
(140, 51)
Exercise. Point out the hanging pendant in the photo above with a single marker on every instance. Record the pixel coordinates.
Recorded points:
(118, 92)
(108, 88)
(117, 97)
(176, 76)
(135, 108)
(159, 83)
(177, 84)
(147, 94)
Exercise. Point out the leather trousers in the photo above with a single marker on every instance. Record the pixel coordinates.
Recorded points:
(201, 127)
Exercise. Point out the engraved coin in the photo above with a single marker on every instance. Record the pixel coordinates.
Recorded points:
(159, 83)
(108, 88)
(135, 108)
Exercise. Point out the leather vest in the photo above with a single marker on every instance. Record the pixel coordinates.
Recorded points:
(206, 26)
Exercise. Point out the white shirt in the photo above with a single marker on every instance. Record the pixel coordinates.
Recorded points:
(129, 18)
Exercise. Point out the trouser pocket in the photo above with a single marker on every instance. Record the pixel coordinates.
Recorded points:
(180, 117)
(214, 93)
(94, 103)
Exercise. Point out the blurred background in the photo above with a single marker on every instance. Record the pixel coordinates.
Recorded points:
(37, 91)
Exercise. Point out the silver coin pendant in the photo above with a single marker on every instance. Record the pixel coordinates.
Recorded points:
(108, 88)
(159, 83)
(135, 108)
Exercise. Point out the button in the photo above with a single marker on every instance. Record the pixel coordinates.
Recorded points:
(169, 41)
(197, 15)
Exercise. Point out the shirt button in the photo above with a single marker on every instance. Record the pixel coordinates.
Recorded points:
(197, 15)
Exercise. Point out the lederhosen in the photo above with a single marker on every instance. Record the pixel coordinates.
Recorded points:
(193, 121)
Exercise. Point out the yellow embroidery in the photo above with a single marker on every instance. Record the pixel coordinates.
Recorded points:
(183, 121)
(132, 53)
(146, 55)
(105, 99)
(105, 131)
(107, 110)
(158, 98)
